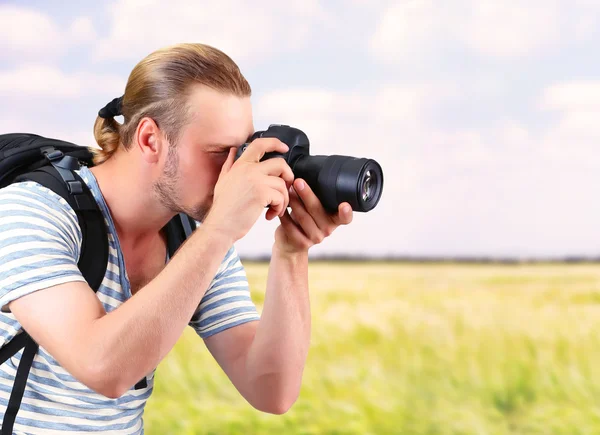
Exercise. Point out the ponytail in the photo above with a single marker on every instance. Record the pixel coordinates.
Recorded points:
(106, 133)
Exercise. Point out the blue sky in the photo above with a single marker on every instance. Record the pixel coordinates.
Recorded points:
(483, 114)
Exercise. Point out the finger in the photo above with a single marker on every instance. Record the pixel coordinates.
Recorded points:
(312, 203)
(305, 220)
(229, 162)
(271, 214)
(259, 147)
(280, 185)
(278, 167)
(277, 197)
(344, 215)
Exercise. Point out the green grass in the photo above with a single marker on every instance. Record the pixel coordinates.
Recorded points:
(415, 349)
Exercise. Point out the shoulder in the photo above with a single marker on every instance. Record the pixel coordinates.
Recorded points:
(30, 205)
(32, 195)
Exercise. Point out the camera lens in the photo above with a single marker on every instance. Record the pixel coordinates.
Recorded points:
(336, 179)
(366, 185)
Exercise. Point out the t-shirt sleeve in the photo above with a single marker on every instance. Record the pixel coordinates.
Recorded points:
(227, 302)
(39, 241)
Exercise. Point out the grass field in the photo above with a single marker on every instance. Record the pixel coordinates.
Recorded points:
(416, 349)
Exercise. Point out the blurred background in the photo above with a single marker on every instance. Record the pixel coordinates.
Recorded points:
(467, 301)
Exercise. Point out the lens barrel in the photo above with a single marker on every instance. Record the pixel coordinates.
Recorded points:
(336, 179)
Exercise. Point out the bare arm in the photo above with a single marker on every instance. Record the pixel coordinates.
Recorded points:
(111, 352)
(265, 360)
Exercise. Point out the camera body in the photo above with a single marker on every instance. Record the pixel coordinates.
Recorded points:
(334, 178)
(295, 139)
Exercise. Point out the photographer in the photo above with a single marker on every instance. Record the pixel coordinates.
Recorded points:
(186, 109)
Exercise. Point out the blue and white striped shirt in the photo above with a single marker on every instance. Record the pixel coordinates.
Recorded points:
(40, 243)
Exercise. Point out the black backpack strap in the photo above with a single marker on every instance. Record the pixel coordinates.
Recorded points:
(12, 347)
(65, 182)
(14, 402)
(16, 396)
(189, 225)
(179, 228)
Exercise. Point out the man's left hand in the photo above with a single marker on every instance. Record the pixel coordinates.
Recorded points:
(308, 223)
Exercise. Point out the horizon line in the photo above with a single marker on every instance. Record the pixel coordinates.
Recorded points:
(438, 259)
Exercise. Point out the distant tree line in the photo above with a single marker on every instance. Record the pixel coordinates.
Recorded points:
(434, 259)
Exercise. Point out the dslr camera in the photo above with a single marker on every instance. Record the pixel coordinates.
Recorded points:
(334, 179)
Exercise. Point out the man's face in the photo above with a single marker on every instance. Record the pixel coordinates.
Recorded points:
(218, 122)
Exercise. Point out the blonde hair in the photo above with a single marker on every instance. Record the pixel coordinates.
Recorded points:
(159, 86)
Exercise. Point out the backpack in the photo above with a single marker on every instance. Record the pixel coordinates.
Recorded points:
(52, 163)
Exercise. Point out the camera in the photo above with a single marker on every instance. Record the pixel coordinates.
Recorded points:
(334, 178)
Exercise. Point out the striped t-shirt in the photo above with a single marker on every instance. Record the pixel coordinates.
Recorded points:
(40, 243)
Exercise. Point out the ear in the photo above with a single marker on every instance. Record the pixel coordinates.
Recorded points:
(149, 140)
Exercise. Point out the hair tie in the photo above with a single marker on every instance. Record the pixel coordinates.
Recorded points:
(112, 109)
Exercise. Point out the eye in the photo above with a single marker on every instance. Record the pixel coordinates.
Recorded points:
(220, 155)
(219, 152)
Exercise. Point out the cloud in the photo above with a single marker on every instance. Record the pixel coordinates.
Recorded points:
(573, 95)
(48, 81)
(388, 110)
(82, 31)
(512, 28)
(488, 28)
(27, 33)
(573, 137)
(406, 28)
(47, 128)
(30, 35)
(244, 30)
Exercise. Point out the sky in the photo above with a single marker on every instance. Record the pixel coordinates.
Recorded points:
(483, 114)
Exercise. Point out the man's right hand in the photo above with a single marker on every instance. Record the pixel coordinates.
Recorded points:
(245, 187)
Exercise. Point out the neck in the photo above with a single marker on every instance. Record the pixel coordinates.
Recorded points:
(135, 210)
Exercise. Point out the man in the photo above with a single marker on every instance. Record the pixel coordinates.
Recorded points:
(186, 108)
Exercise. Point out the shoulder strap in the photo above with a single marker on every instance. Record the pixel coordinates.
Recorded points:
(23, 340)
(62, 179)
(179, 228)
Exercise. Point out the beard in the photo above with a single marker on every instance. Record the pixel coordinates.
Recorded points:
(167, 192)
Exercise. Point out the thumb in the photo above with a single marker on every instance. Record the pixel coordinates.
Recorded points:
(230, 160)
